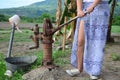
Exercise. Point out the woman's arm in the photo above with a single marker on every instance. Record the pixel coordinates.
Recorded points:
(79, 5)
(80, 13)
(93, 5)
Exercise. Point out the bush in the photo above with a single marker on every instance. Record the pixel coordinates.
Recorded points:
(116, 20)
(3, 18)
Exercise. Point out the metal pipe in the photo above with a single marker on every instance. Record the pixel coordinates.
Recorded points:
(11, 41)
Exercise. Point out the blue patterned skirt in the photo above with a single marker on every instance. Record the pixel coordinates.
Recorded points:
(95, 29)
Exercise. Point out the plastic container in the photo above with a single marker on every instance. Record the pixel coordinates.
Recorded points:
(15, 19)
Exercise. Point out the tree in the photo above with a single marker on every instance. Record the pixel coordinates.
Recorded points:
(113, 4)
(3, 17)
(68, 12)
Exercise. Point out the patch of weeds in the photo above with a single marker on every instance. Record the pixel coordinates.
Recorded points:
(59, 57)
(61, 61)
(59, 54)
(115, 57)
(18, 37)
(115, 29)
(38, 62)
(26, 31)
(16, 75)
(2, 65)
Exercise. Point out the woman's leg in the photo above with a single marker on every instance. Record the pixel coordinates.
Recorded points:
(80, 49)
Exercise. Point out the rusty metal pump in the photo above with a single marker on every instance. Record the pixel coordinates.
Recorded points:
(46, 39)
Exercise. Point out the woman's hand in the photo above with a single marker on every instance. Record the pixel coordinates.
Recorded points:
(90, 9)
(80, 13)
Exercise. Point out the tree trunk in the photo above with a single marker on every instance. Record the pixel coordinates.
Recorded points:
(64, 36)
(58, 15)
(72, 29)
(109, 38)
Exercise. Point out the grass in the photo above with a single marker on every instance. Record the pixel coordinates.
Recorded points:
(3, 69)
(24, 37)
(115, 29)
(18, 74)
(19, 37)
(115, 57)
(57, 55)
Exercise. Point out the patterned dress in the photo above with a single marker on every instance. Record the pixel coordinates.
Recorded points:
(95, 29)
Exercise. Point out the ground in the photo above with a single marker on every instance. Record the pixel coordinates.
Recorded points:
(110, 69)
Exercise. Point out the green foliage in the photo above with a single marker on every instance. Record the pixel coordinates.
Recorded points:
(115, 29)
(44, 15)
(40, 10)
(110, 1)
(58, 54)
(115, 57)
(2, 65)
(4, 37)
(116, 20)
(34, 10)
(39, 59)
(22, 37)
(39, 19)
(26, 19)
(59, 57)
(3, 18)
(18, 37)
(17, 75)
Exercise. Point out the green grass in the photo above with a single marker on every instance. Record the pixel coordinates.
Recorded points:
(115, 29)
(3, 69)
(115, 57)
(18, 74)
(57, 56)
(24, 37)
(18, 37)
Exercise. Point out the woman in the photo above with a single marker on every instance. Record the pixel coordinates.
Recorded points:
(90, 37)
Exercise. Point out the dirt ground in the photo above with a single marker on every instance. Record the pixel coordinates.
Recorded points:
(110, 69)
